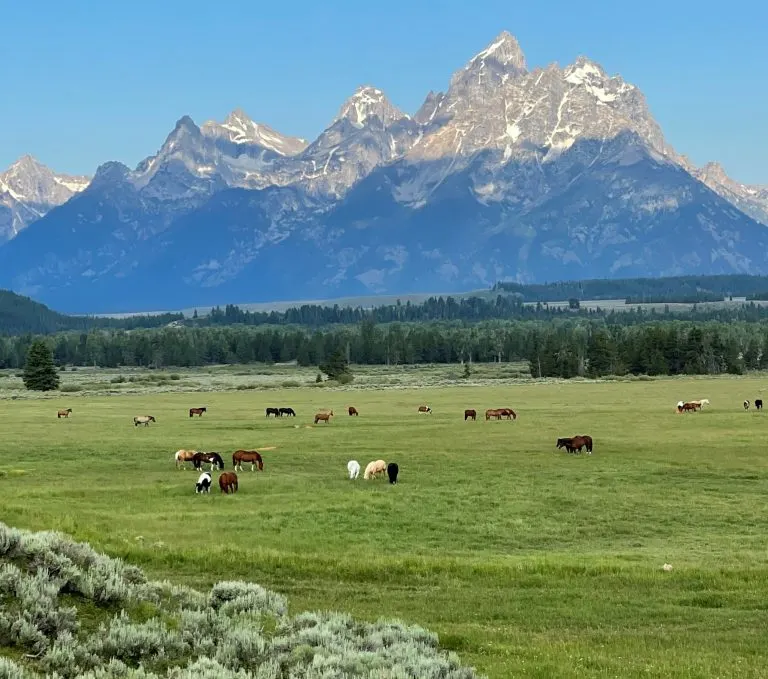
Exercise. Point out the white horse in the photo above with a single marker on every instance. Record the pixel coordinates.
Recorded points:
(353, 467)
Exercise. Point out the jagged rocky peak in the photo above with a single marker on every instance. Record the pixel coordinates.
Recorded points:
(594, 79)
(239, 128)
(428, 110)
(501, 59)
(715, 173)
(366, 103)
(29, 178)
(505, 51)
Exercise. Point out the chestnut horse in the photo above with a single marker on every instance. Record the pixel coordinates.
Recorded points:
(425, 410)
(493, 412)
(688, 407)
(213, 458)
(508, 413)
(197, 411)
(228, 482)
(251, 456)
(470, 413)
(353, 411)
(143, 419)
(323, 416)
(64, 413)
(184, 456)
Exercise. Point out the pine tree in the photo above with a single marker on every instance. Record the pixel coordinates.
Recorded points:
(40, 372)
(337, 366)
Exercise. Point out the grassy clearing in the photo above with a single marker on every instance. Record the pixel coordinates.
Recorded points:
(526, 561)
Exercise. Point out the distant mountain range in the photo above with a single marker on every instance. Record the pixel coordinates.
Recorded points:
(511, 174)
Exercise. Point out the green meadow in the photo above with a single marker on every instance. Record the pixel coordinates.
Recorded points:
(526, 561)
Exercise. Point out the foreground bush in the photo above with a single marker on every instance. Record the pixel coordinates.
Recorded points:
(138, 629)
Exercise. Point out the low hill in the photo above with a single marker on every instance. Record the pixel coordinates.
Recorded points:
(21, 315)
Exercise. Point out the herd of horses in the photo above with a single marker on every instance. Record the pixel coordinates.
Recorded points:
(491, 413)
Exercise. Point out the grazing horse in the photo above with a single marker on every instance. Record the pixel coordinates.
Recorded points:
(203, 484)
(374, 469)
(213, 458)
(392, 470)
(184, 456)
(759, 403)
(353, 411)
(688, 408)
(289, 412)
(353, 467)
(251, 456)
(323, 416)
(701, 402)
(575, 443)
(197, 411)
(143, 419)
(273, 411)
(746, 405)
(425, 410)
(493, 412)
(64, 413)
(470, 413)
(228, 482)
(508, 413)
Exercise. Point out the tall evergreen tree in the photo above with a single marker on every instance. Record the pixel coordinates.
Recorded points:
(40, 373)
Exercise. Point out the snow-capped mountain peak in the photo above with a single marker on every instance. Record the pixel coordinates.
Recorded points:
(28, 190)
(369, 102)
(239, 128)
(504, 50)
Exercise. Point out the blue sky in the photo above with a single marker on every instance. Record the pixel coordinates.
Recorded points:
(85, 82)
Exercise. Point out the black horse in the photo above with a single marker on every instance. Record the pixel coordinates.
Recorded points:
(289, 412)
(392, 470)
(758, 403)
(273, 411)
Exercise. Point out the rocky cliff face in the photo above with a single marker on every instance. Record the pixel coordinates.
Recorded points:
(542, 174)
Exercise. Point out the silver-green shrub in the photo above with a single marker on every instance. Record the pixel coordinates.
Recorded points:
(154, 630)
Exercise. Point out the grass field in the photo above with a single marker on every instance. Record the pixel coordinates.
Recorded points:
(526, 561)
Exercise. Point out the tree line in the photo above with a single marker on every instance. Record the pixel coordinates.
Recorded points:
(565, 348)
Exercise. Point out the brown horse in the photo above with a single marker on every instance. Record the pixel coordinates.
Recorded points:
(228, 482)
(143, 419)
(470, 413)
(353, 411)
(64, 413)
(197, 411)
(323, 417)
(576, 443)
(251, 456)
(509, 413)
(425, 410)
(213, 458)
(184, 456)
(493, 412)
(688, 407)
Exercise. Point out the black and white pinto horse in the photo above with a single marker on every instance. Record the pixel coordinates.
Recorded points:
(746, 405)
(203, 484)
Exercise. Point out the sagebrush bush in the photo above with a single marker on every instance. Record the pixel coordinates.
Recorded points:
(149, 630)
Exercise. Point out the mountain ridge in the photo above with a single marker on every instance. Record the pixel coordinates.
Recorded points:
(563, 167)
